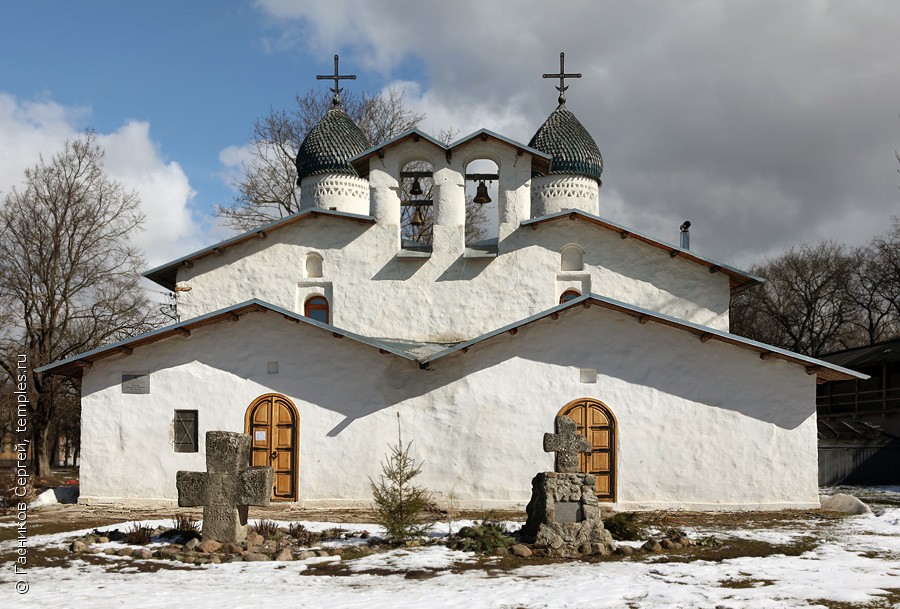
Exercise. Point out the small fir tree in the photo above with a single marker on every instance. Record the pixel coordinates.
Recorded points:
(400, 506)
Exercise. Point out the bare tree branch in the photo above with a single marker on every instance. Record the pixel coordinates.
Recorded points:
(69, 279)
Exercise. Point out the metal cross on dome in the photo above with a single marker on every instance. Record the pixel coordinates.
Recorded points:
(336, 100)
(562, 76)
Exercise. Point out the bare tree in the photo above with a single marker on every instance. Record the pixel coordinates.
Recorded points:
(804, 305)
(268, 188)
(886, 251)
(875, 292)
(69, 276)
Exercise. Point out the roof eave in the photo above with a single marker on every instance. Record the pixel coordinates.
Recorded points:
(166, 274)
(738, 280)
(824, 371)
(540, 161)
(74, 366)
(360, 162)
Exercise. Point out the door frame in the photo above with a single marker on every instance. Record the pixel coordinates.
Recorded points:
(613, 444)
(296, 437)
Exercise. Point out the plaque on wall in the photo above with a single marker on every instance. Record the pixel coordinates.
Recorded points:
(136, 382)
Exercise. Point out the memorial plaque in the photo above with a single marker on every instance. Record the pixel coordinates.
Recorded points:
(136, 382)
(568, 511)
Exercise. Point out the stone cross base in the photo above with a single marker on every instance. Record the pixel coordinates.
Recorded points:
(564, 516)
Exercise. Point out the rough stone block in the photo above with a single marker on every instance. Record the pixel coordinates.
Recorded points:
(256, 486)
(227, 452)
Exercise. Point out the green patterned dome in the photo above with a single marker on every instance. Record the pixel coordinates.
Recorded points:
(329, 146)
(574, 150)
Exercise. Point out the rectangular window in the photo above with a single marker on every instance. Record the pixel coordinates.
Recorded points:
(186, 431)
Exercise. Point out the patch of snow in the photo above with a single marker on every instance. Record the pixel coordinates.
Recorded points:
(838, 569)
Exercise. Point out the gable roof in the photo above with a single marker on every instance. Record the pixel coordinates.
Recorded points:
(165, 275)
(824, 371)
(361, 161)
(74, 366)
(738, 280)
(540, 160)
(425, 354)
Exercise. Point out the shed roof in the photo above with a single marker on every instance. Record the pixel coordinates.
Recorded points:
(870, 355)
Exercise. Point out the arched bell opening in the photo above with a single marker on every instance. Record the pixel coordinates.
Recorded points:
(417, 205)
(482, 203)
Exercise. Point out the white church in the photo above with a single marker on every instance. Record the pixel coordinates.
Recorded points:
(322, 332)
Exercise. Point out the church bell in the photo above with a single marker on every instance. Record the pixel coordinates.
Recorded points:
(481, 193)
(417, 219)
(416, 188)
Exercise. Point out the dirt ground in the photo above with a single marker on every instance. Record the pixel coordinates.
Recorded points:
(61, 518)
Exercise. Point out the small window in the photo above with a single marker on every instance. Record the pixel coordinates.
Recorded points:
(313, 265)
(186, 431)
(316, 308)
(568, 295)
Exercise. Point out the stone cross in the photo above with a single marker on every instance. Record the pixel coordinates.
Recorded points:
(566, 443)
(562, 76)
(227, 488)
(336, 77)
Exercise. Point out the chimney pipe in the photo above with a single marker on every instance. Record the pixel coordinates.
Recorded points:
(686, 235)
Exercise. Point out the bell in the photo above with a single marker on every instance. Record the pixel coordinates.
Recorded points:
(417, 219)
(481, 194)
(416, 187)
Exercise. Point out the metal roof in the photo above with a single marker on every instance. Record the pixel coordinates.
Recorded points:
(739, 280)
(426, 354)
(165, 275)
(540, 160)
(824, 371)
(73, 366)
(329, 145)
(870, 355)
(573, 149)
(360, 162)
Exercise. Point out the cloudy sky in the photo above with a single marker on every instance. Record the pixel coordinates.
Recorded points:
(766, 123)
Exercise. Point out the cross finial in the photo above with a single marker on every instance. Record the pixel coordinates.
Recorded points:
(562, 76)
(336, 100)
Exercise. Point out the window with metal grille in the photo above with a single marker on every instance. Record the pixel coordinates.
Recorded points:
(186, 431)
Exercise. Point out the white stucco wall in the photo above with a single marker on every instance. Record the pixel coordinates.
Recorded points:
(700, 425)
(447, 297)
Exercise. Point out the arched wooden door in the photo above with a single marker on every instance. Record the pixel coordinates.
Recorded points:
(274, 425)
(596, 423)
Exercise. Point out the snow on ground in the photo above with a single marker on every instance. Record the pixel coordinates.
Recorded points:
(854, 561)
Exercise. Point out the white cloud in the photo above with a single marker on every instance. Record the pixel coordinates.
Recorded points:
(30, 129)
(766, 123)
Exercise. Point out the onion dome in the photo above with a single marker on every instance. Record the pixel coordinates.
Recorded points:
(329, 146)
(574, 150)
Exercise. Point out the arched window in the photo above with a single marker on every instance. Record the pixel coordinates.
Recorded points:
(571, 258)
(316, 307)
(568, 295)
(313, 265)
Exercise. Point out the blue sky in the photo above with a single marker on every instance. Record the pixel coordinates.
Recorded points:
(765, 123)
(198, 72)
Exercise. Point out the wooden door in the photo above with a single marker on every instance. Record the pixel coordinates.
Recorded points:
(596, 423)
(273, 424)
